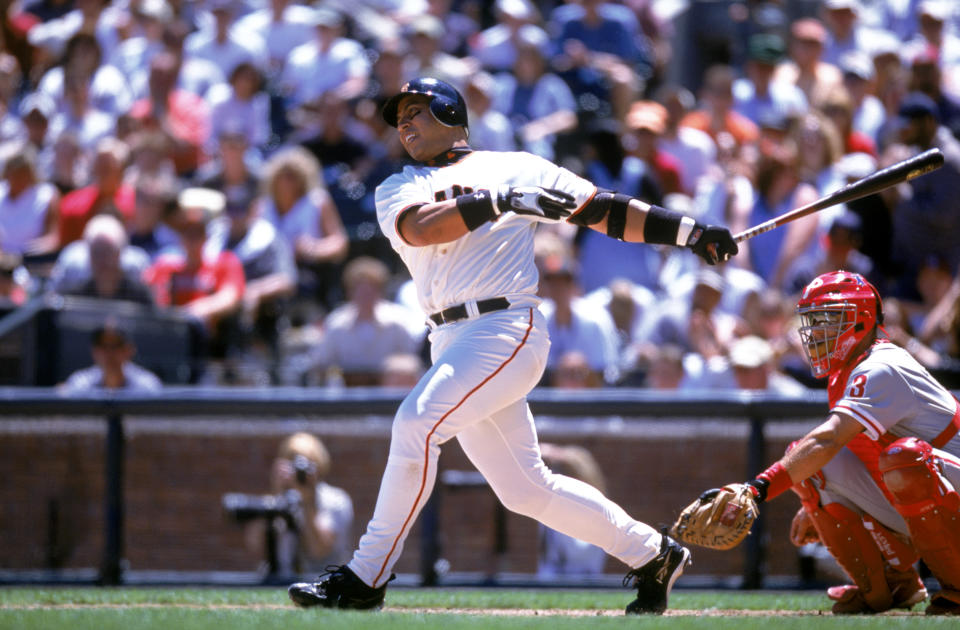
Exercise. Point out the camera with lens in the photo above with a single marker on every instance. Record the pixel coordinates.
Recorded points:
(304, 468)
(247, 507)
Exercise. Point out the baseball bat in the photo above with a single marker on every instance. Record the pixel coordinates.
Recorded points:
(894, 174)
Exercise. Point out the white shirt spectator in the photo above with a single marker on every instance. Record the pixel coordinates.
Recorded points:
(238, 47)
(310, 72)
(280, 38)
(692, 148)
(592, 332)
(361, 346)
(136, 379)
(93, 127)
(53, 35)
(72, 269)
(229, 112)
(109, 90)
(22, 219)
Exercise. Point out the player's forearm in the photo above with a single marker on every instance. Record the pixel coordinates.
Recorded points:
(433, 224)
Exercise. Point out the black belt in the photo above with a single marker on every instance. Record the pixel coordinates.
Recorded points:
(458, 312)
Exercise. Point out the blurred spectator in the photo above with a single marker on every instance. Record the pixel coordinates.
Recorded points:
(296, 203)
(559, 554)
(135, 53)
(427, 57)
(820, 147)
(194, 75)
(934, 36)
(750, 365)
(662, 365)
(223, 46)
(89, 124)
(29, 207)
(859, 80)
(925, 220)
(941, 326)
(13, 293)
(282, 25)
(756, 95)
(840, 250)
(182, 116)
(608, 164)
(360, 333)
(805, 67)
(458, 26)
(107, 194)
(629, 305)
(692, 148)
(603, 51)
(268, 267)
(36, 112)
(576, 323)
(11, 127)
(926, 76)
(495, 46)
(330, 61)
(779, 189)
(401, 370)
(67, 167)
(647, 122)
(105, 242)
(241, 104)
(113, 351)
(340, 142)
(573, 372)
(107, 90)
(490, 130)
(321, 534)
(229, 171)
(155, 203)
(75, 269)
(207, 287)
(900, 330)
(96, 17)
(847, 30)
(538, 103)
(716, 115)
(838, 107)
(694, 324)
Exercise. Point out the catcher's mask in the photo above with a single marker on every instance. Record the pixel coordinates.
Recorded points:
(837, 310)
(446, 104)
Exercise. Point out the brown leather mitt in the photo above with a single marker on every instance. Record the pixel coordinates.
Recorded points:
(719, 519)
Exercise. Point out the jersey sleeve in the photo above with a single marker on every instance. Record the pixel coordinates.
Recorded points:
(394, 196)
(876, 397)
(559, 178)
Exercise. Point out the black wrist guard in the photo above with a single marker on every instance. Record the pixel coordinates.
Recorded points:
(666, 227)
(761, 486)
(477, 208)
(608, 205)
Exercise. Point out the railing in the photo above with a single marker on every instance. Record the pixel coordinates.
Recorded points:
(181, 403)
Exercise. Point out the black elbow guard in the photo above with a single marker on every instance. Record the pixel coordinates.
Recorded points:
(606, 204)
(666, 227)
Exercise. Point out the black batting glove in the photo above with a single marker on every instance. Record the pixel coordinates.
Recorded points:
(546, 205)
(712, 243)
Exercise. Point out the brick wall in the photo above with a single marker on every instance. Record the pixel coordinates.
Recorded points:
(51, 501)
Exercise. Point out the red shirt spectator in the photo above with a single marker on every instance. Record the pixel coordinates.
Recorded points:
(175, 284)
(107, 194)
(79, 206)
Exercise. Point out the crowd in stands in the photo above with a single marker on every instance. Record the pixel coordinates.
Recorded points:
(217, 160)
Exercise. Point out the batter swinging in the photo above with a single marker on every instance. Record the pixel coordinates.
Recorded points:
(463, 222)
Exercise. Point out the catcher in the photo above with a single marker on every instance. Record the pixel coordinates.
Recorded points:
(877, 480)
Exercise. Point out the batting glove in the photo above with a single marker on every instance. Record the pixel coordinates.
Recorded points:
(712, 243)
(546, 205)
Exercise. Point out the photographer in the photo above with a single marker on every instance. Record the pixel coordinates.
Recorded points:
(317, 530)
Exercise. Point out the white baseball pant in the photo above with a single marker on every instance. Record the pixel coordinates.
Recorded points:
(476, 391)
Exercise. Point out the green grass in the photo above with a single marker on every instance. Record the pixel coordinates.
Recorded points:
(267, 608)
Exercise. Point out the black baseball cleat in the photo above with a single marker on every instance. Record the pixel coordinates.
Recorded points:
(654, 580)
(339, 587)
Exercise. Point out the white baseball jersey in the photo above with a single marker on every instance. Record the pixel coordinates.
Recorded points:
(494, 260)
(890, 392)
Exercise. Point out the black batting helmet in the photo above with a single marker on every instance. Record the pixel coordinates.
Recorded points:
(446, 104)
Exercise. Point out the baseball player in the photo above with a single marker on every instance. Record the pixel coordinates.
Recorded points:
(878, 479)
(463, 222)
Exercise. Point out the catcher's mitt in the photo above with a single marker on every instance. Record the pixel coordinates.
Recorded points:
(719, 519)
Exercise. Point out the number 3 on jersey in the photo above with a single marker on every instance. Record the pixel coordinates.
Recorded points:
(859, 383)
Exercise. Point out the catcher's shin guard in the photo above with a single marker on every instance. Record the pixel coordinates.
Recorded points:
(843, 533)
(928, 503)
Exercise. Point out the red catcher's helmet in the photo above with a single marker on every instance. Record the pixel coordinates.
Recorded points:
(837, 310)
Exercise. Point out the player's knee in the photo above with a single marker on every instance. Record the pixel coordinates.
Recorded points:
(908, 471)
(525, 495)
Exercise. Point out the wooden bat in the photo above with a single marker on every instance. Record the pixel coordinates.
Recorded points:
(894, 174)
